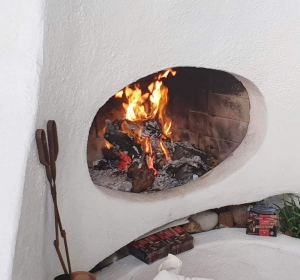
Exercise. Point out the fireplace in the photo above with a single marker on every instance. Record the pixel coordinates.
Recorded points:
(87, 52)
(167, 129)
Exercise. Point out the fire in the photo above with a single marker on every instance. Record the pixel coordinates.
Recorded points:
(141, 106)
(165, 150)
(107, 145)
(146, 144)
(137, 108)
(167, 128)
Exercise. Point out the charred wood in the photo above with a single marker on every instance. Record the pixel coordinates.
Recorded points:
(189, 151)
(157, 151)
(133, 169)
(142, 179)
(118, 137)
(180, 150)
(147, 128)
(152, 129)
(112, 153)
(186, 168)
(159, 164)
(135, 151)
(104, 164)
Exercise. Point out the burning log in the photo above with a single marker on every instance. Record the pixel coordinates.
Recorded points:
(186, 168)
(110, 153)
(152, 128)
(117, 137)
(189, 151)
(146, 128)
(157, 152)
(179, 150)
(135, 151)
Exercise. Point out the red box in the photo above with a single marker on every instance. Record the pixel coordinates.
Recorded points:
(262, 220)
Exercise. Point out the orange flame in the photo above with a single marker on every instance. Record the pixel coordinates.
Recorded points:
(141, 106)
(148, 150)
(165, 150)
(136, 106)
(107, 145)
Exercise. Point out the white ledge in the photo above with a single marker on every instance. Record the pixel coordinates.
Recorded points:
(223, 254)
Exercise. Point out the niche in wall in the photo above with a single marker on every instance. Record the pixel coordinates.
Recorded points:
(167, 129)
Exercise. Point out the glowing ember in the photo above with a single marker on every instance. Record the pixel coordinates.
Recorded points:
(124, 161)
(142, 106)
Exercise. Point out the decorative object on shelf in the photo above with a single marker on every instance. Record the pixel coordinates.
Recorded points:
(262, 220)
(178, 240)
(192, 227)
(149, 249)
(207, 219)
(239, 214)
(157, 246)
(225, 219)
(48, 152)
(289, 216)
(170, 268)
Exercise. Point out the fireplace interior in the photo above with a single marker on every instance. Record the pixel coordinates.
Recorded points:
(167, 129)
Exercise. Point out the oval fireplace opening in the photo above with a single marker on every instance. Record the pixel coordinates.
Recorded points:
(167, 129)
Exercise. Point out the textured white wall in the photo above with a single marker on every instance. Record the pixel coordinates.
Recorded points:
(94, 48)
(21, 33)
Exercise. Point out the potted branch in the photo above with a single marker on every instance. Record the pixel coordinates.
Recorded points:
(289, 216)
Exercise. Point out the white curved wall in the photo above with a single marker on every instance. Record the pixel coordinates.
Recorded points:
(94, 48)
(21, 33)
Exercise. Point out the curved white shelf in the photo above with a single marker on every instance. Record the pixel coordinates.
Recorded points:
(227, 254)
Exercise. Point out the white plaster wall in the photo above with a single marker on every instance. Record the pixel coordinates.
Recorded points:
(21, 33)
(94, 48)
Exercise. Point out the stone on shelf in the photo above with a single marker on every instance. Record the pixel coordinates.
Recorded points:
(192, 227)
(207, 220)
(225, 219)
(240, 214)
